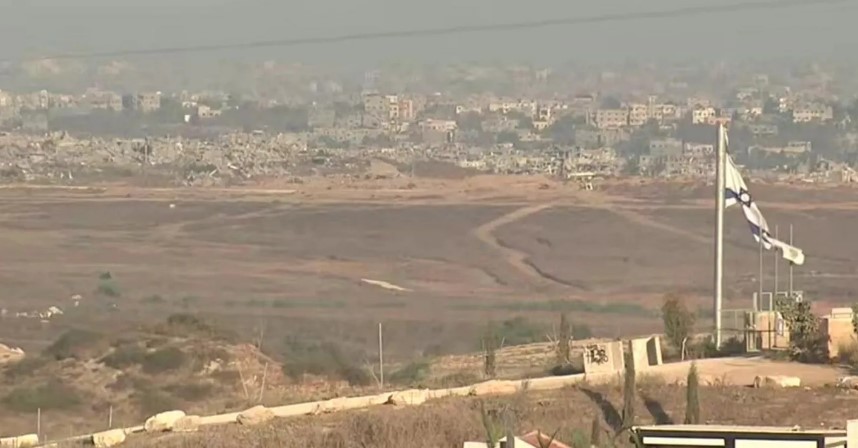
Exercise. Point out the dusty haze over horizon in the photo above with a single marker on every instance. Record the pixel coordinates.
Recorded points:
(39, 28)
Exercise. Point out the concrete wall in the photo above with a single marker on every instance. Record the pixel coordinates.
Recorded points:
(646, 352)
(838, 327)
(600, 357)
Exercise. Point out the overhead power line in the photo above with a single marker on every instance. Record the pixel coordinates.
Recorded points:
(443, 31)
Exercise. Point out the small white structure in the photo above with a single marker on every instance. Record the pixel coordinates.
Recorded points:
(502, 444)
(743, 436)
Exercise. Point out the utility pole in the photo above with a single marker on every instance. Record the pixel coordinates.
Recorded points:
(776, 255)
(380, 356)
(791, 264)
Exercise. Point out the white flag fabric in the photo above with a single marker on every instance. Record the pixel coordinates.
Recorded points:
(737, 193)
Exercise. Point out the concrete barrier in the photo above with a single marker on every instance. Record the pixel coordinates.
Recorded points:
(163, 421)
(25, 441)
(168, 421)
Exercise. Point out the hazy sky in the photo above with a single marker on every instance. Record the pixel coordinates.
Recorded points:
(33, 28)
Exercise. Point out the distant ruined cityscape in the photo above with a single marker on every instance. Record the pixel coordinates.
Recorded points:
(797, 124)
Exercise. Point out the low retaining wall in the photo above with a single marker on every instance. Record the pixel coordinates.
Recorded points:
(411, 397)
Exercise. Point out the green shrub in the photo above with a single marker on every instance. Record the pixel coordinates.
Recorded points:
(560, 305)
(154, 299)
(520, 331)
(163, 360)
(186, 325)
(355, 375)
(151, 401)
(202, 357)
(25, 367)
(124, 356)
(49, 396)
(75, 344)
(581, 331)
(190, 391)
(847, 353)
(188, 321)
(188, 301)
(411, 374)
(108, 288)
(565, 369)
(323, 359)
(228, 377)
(580, 439)
(459, 379)
(705, 348)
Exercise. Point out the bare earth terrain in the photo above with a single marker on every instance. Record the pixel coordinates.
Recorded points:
(453, 251)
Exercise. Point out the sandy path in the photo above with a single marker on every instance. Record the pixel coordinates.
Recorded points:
(742, 371)
(515, 258)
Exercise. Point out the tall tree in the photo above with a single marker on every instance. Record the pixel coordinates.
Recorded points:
(490, 344)
(692, 398)
(629, 391)
(565, 335)
(678, 320)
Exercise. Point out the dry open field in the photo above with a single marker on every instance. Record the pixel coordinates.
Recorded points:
(462, 250)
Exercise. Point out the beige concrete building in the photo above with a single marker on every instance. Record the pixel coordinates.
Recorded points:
(812, 112)
(149, 102)
(638, 114)
(103, 100)
(611, 118)
(698, 149)
(703, 114)
(668, 147)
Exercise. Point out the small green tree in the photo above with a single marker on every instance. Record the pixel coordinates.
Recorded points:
(541, 439)
(629, 390)
(595, 433)
(807, 343)
(107, 286)
(490, 344)
(855, 319)
(692, 399)
(491, 425)
(565, 335)
(678, 319)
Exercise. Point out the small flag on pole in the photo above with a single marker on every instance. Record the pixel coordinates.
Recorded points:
(737, 193)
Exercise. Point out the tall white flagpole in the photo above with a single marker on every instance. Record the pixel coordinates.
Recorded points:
(720, 164)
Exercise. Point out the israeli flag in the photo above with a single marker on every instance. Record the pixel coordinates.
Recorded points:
(737, 193)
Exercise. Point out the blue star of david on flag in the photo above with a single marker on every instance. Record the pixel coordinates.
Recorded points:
(737, 193)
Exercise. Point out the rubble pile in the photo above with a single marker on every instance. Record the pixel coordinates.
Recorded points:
(227, 159)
